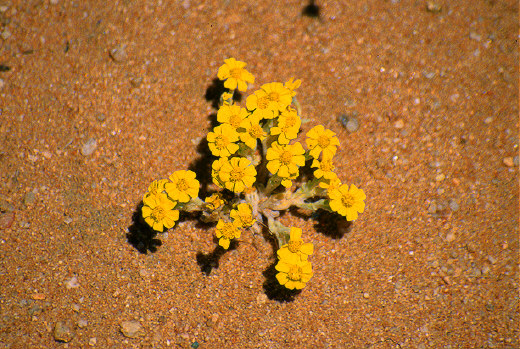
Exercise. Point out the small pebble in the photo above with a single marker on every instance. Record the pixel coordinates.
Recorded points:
(433, 6)
(515, 160)
(428, 75)
(6, 219)
(488, 120)
(29, 198)
(350, 122)
(474, 36)
(509, 162)
(63, 332)
(366, 295)
(118, 53)
(450, 237)
(92, 341)
(75, 307)
(6, 34)
(399, 124)
(72, 283)
(454, 205)
(89, 147)
(132, 329)
(492, 259)
(261, 298)
(432, 208)
(136, 81)
(440, 177)
(67, 220)
(82, 323)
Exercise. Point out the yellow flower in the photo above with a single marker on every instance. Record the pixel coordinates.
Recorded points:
(288, 126)
(214, 201)
(183, 186)
(231, 114)
(215, 170)
(296, 246)
(285, 159)
(279, 96)
(158, 211)
(226, 231)
(332, 183)
(320, 139)
(324, 168)
(220, 141)
(237, 174)
(156, 187)
(294, 273)
(347, 202)
(260, 105)
(243, 215)
(253, 131)
(235, 75)
(287, 181)
(226, 98)
(292, 85)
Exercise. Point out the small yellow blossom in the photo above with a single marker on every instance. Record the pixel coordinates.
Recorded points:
(253, 131)
(156, 187)
(215, 170)
(214, 201)
(330, 184)
(285, 159)
(324, 168)
(183, 186)
(237, 174)
(320, 139)
(279, 96)
(221, 140)
(260, 105)
(227, 98)
(243, 215)
(226, 231)
(292, 85)
(235, 75)
(158, 211)
(287, 181)
(294, 272)
(296, 246)
(288, 126)
(347, 202)
(231, 114)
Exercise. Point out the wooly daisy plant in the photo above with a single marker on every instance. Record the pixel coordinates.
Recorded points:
(257, 160)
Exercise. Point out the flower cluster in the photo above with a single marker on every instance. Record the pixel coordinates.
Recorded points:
(257, 162)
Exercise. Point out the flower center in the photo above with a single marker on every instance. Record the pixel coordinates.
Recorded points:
(235, 120)
(256, 131)
(236, 174)
(229, 231)
(326, 166)
(347, 200)
(182, 185)
(262, 102)
(235, 73)
(323, 141)
(158, 214)
(290, 121)
(285, 157)
(294, 246)
(221, 142)
(295, 273)
(274, 96)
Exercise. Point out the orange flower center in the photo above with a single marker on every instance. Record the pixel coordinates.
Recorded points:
(294, 246)
(158, 214)
(235, 73)
(228, 231)
(295, 273)
(262, 102)
(347, 200)
(285, 157)
(323, 141)
(236, 174)
(290, 121)
(182, 185)
(274, 96)
(235, 120)
(221, 142)
(256, 131)
(326, 166)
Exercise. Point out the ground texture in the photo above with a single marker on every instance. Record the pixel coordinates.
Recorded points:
(99, 98)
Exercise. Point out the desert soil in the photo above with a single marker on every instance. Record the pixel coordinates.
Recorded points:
(99, 98)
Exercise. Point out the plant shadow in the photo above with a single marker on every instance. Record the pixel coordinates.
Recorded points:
(140, 235)
(272, 288)
(311, 10)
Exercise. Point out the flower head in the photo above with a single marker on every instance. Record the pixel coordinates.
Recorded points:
(294, 272)
(235, 75)
(156, 187)
(226, 231)
(215, 170)
(243, 215)
(253, 131)
(284, 160)
(320, 139)
(288, 126)
(279, 96)
(347, 202)
(296, 246)
(214, 201)
(292, 85)
(158, 211)
(221, 140)
(183, 186)
(324, 168)
(260, 104)
(232, 115)
(237, 174)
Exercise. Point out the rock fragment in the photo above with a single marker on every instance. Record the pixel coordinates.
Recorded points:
(132, 329)
(62, 332)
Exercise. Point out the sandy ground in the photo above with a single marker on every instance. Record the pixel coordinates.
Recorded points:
(99, 98)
